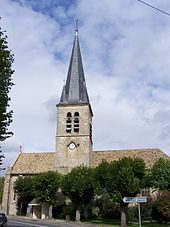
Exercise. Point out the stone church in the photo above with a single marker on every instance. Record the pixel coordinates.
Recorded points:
(74, 144)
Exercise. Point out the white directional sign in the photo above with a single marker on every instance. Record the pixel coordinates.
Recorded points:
(141, 199)
(138, 200)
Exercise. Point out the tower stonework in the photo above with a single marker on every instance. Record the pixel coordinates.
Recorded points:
(74, 118)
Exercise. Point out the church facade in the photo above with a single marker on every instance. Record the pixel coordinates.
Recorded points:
(74, 145)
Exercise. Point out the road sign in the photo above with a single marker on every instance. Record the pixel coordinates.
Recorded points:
(141, 199)
(138, 200)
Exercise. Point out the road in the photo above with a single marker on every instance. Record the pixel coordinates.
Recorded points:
(26, 222)
(32, 223)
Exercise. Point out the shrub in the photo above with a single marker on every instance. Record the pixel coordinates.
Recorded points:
(133, 214)
(161, 208)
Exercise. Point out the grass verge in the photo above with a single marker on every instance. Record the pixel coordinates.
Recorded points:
(116, 223)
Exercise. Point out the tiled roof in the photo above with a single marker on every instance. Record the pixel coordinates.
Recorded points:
(150, 156)
(32, 163)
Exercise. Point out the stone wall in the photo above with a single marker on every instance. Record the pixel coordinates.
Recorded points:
(6, 191)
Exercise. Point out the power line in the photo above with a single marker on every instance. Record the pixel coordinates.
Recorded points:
(153, 7)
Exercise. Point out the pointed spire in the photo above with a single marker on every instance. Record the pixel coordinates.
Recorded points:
(75, 91)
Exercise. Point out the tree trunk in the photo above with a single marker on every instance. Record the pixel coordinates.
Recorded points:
(20, 208)
(124, 219)
(85, 212)
(50, 211)
(77, 215)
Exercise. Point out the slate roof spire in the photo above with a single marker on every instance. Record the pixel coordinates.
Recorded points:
(75, 91)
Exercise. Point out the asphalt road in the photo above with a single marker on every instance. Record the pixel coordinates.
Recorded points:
(14, 221)
(31, 223)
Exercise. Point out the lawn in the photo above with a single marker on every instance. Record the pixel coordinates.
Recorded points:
(116, 223)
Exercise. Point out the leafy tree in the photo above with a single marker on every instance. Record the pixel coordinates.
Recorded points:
(103, 179)
(24, 188)
(78, 186)
(161, 207)
(121, 179)
(160, 174)
(108, 208)
(43, 187)
(46, 185)
(1, 188)
(1, 157)
(6, 60)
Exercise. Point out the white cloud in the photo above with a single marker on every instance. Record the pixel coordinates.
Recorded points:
(126, 51)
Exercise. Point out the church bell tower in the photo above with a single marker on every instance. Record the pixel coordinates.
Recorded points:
(74, 117)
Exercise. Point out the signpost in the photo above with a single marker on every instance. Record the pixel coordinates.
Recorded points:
(137, 200)
(141, 199)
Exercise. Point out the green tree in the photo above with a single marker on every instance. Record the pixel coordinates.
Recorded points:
(46, 185)
(1, 188)
(160, 175)
(1, 157)
(121, 179)
(78, 186)
(103, 179)
(161, 207)
(6, 60)
(24, 188)
(108, 208)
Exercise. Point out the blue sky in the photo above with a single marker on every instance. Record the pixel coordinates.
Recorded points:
(126, 56)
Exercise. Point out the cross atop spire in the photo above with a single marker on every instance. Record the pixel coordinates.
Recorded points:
(75, 91)
(77, 26)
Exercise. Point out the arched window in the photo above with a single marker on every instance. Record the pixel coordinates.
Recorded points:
(76, 122)
(68, 122)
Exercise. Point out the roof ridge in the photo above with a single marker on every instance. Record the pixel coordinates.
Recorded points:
(48, 152)
(128, 149)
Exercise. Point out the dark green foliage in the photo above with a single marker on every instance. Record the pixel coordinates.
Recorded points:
(60, 212)
(108, 208)
(103, 178)
(148, 179)
(122, 178)
(146, 209)
(24, 188)
(146, 212)
(46, 185)
(78, 185)
(70, 210)
(6, 60)
(1, 158)
(43, 187)
(160, 174)
(133, 215)
(130, 176)
(161, 207)
(1, 188)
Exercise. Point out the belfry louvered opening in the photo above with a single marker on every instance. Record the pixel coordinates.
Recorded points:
(68, 122)
(76, 122)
